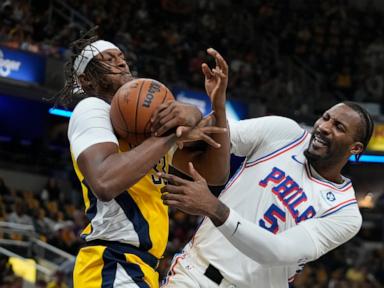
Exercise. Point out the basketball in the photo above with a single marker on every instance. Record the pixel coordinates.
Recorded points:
(132, 108)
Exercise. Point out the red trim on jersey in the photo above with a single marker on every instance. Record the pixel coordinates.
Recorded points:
(233, 180)
(329, 185)
(279, 151)
(172, 268)
(338, 205)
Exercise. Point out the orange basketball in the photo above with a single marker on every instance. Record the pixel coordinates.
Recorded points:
(133, 105)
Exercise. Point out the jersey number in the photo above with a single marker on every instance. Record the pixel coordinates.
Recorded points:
(159, 167)
(271, 218)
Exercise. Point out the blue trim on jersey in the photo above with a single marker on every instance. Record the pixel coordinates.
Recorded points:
(92, 209)
(133, 213)
(111, 257)
(108, 274)
(123, 248)
(278, 150)
(341, 207)
(134, 271)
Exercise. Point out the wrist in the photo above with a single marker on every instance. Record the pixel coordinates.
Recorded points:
(219, 214)
(219, 108)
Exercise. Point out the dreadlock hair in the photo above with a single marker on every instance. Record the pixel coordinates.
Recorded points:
(95, 71)
(366, 129)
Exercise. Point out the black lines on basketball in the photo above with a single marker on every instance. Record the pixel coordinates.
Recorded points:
(137, 105)
(134, 104)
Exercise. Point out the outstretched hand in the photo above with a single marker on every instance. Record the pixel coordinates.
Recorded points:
(216, 79)
(201, 132)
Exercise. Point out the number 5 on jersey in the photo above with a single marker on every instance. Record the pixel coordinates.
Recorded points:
(271, 218)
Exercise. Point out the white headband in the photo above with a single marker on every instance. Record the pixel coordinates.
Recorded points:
(89, 52)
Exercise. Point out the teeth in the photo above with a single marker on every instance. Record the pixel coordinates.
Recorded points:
(321, 141)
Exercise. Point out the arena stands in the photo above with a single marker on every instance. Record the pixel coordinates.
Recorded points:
(290, 58)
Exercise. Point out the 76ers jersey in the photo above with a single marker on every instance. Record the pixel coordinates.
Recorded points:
(276, 189)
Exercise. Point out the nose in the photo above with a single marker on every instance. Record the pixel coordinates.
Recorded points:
(325, 127)
(122, 64)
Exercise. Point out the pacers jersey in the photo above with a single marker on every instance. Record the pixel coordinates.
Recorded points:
(137, 216)
(276, 189)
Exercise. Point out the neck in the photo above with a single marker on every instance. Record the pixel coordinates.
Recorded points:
(330, 172)
(105, 96)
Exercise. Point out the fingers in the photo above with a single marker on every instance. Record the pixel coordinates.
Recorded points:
(206, 121)
(209, 140)
(173, 179)
(159, 109)
(173, 189)
(207, 71)
(174, 122)
(182, 130)
(220, 62)
(193, 172)
(162, 112)
(213, 129)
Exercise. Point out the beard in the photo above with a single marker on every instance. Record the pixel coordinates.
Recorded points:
(313, 157)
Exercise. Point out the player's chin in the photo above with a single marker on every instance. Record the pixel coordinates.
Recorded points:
(314, 155)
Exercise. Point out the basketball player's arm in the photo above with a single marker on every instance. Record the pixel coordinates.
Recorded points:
(109, 172)
(94, 147)
(302, 243)
(212, 162)
(297, 245)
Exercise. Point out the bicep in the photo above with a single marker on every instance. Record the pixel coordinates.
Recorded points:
(91, 160)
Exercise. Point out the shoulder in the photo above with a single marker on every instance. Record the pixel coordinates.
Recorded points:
(266, 122)
(90, 103)
(88, 108)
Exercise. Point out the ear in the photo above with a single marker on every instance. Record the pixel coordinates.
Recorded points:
(85, 83)
(357, 148)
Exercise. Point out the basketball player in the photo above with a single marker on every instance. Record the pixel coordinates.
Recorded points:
(128, 229)
(288, 204)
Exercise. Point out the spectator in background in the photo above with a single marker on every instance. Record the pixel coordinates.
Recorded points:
(4, 190)
(18, 215)
(58, 282)
(51, 191)
(7, 276)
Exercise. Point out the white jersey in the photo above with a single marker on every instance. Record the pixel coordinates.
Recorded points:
(276, 189)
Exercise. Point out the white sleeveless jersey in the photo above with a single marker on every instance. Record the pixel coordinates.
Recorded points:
(276, 189)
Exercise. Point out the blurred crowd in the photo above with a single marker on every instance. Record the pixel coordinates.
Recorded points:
(59, 222)
(46, 215)
(339, 44)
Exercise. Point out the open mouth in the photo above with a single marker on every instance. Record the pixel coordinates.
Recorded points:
(320, 141)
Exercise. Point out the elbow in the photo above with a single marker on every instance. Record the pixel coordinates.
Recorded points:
(218, 180)
(102, 191)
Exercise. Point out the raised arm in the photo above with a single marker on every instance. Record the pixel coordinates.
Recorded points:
(212, 162)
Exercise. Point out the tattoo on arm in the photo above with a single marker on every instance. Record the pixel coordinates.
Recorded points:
(220, 214)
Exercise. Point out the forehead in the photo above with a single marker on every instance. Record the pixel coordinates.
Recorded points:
(109, 52)
(346, 115)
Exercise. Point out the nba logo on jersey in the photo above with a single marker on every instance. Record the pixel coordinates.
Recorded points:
(330, 196)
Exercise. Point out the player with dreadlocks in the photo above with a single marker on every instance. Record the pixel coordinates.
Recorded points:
(128, 229)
